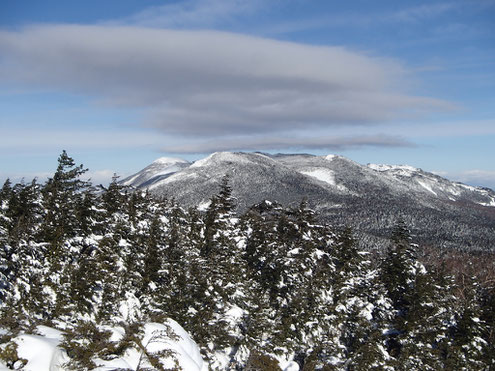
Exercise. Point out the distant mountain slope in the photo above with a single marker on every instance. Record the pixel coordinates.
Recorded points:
(160, 169)
(370, 198)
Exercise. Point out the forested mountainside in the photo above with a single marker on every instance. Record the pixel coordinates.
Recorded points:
(369, 198)
(269, 289)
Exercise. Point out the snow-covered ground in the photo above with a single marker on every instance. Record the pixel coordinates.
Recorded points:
(42, 351)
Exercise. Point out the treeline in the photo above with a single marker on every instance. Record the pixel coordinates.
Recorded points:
(270, 283)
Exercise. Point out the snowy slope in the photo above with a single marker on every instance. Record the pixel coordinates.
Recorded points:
(369, 198)
(418, 180)
(158, 170)
(252, 176)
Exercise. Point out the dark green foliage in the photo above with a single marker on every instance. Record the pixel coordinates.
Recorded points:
(261, 362)
(398, 268)
(8, 354)
(61, 196)
(152, 259)
(487, 309)
(85, 342)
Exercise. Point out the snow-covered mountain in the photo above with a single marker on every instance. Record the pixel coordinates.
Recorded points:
(158, 170)
(370, 198)
(421, 181)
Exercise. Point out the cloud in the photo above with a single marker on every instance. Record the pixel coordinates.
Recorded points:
(286, 143)
(424, 11)
(96, 177)
(405, 17)
(482, 178)
(211, 84)
(15, 138)
(192, 13)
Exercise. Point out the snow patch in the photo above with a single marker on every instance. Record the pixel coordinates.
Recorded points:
(131, 180)
(156, 338)
(173, 178)
(491, 203)
(427, 187)
(169, 160)
(203, 206)
(41, 352)
(402, 170)
(322, 174)
(170, 169)
(471, 188)
(291, 366)
(221, 157)
(128, 308)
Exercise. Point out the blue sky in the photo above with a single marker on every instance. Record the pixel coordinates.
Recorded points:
(120, 83)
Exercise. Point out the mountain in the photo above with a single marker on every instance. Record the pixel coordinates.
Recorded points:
(160, 169)
(369, 198)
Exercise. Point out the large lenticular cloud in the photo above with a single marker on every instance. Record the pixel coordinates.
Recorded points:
(207, 83)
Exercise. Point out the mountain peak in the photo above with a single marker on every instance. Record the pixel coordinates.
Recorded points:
(169, 160)
(222, 157)
(331, 157)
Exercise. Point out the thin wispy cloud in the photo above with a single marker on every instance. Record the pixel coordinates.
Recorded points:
(191, 14)
(427, 130)
(407, 16)
(310, 143)
(207, 83)
(421, 12)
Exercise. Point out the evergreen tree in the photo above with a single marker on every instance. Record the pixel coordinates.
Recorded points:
(109, 276)
(467, 348)
(113, 197)
(398, 271)
(427, 321)
(216, 270)
(360, 308)
(61, 196)
(5, 248)
(422, 303)
(174, 297)
(152, 258)
(487, 297)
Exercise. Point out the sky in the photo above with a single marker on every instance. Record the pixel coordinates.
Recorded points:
(120, 83)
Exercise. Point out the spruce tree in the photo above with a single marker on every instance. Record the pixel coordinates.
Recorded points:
(108, 276)
(398, 271)
(174, 294)
(487, 297)
(468, 348)
(61, 197)
(5, 248)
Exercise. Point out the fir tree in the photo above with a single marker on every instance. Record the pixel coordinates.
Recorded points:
(61, 195)
(468, 347)
(109, 276)
(113, 196)
(398, 271)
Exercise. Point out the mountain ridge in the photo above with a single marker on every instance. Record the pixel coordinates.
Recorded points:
(369, 198)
